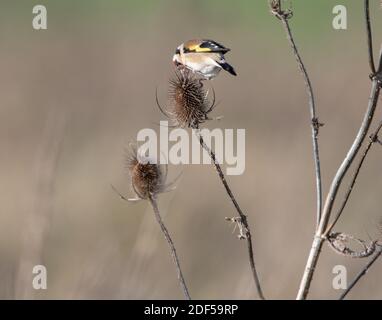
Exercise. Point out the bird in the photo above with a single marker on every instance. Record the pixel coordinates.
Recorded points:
(203, 57)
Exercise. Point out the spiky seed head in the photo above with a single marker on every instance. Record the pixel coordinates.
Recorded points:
(147, 176)
(188, 101)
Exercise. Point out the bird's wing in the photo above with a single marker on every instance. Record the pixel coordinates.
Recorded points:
(199, 46)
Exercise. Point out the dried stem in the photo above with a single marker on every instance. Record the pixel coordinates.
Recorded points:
(369, 37)
(243, 217)
(284, 16)
(172, 247)
(339, 243)
(373, 139)
(362, 272)
(338, 178)
(336, 183)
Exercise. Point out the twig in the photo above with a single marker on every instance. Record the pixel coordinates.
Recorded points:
(243, 217)
(336, 183)
(362, 273)
(379, 75)
(284, 16)
(172, 247)
(369, 37)
(339, 242)
(373, 139)
(337, 180)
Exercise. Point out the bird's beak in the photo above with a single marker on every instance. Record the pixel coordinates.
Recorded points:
(175, 61)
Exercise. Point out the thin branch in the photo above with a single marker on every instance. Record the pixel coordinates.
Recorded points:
(171, 244)
(331, 197)
(319, 237)
(362, 273)
(339, 243)
(243, 217)
(373, 139)
(369, 37)
(284, 16)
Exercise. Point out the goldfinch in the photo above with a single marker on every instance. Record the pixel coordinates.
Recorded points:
(204, 57)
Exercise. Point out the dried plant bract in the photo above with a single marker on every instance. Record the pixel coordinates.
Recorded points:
(147, 177)
(148, 180)
(188, 102)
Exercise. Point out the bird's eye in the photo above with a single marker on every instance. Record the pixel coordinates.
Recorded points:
(177, 51)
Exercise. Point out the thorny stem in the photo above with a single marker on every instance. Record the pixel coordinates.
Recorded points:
(362, 273)
(171, 244)
(315, 124)
(373, 139)
(243, 217)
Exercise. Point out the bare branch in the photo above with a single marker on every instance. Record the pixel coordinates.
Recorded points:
(373, 139)
(369, 37)
(172, 247)
(242, 222)
(335, 185)
(339, 242)
(362, 273)
(284, 16)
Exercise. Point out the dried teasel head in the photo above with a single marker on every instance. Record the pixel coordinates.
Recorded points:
(147, 176)
(188, 103)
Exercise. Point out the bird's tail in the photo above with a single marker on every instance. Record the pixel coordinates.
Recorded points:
(227, 67)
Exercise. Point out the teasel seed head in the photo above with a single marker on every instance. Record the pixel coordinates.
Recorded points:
(188, 102)
(147, 176)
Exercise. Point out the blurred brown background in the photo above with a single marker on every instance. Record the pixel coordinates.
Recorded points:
(73, 96)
